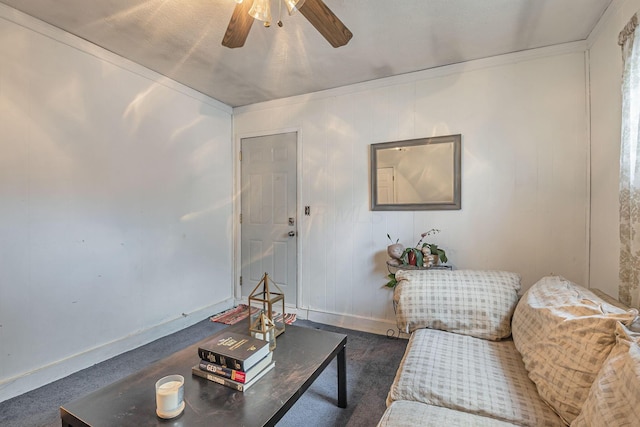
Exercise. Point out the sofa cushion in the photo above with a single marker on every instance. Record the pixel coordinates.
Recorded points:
(469, 374)
(614, 396)
(404, 413)
(476, 303)
(564, 333)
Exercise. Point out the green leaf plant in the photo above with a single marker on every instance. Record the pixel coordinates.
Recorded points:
(392, 281)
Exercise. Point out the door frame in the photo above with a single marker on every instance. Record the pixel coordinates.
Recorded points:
(237, 209)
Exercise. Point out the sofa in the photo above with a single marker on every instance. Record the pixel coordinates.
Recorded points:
(479, 354)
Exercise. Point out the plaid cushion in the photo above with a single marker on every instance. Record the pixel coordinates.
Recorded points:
(564, 333)
(476, 303)
(614, 397)
(468, 374)
(404, 413)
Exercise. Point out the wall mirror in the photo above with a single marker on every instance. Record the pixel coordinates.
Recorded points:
(417, 174)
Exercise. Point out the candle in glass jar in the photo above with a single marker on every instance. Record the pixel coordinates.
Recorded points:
(169, 396)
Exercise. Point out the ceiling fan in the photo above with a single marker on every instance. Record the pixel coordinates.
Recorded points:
(316, 12)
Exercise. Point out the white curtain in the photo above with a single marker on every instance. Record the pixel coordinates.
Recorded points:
(629, 291)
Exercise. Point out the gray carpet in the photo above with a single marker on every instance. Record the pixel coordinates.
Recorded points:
(372, 361)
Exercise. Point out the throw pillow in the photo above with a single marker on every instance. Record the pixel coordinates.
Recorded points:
(468, 302)
(615, 393)
(564, 333)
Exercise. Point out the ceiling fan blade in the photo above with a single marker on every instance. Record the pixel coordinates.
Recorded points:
(326, 22)
(239, 25)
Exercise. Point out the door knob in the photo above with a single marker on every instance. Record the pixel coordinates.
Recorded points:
(292, 234)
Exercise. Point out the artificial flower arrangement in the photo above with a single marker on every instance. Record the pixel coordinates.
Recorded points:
(422, 255)
(419, 252)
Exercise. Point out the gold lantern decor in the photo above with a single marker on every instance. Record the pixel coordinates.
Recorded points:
(263, 329)
(263, 300)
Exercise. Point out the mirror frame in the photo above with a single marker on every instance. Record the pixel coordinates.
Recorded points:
(456, 140)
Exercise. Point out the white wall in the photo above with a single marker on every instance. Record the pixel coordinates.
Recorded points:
(605, 71)
(523, 120)
(115, 205)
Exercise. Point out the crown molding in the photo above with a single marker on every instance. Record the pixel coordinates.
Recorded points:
(54, 33)
(477, 64)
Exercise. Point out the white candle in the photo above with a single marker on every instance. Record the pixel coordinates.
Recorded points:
(169, 395)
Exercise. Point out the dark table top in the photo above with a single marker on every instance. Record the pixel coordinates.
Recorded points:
(301, 354)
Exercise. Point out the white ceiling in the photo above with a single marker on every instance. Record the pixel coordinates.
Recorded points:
(181, 39)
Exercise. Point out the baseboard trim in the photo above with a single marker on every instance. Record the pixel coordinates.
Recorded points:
(15, 386)
(358, 323)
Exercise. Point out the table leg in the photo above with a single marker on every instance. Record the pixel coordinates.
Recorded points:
(342, 377)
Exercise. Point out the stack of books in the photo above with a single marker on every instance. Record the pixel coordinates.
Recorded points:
(234, 360)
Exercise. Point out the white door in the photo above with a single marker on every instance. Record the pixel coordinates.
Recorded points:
(268, 206)
(386, 186)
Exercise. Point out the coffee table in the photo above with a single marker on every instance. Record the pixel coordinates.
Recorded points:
(301, 354)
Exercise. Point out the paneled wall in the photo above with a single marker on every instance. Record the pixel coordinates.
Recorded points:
(523, 120)
(117, 189)
(115, 205)
(605, 61)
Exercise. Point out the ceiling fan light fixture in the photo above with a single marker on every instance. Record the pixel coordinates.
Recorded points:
(261, 10)
(293, 5)
(315, 11)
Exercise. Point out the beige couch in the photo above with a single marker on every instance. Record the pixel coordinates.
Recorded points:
(478, 355)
